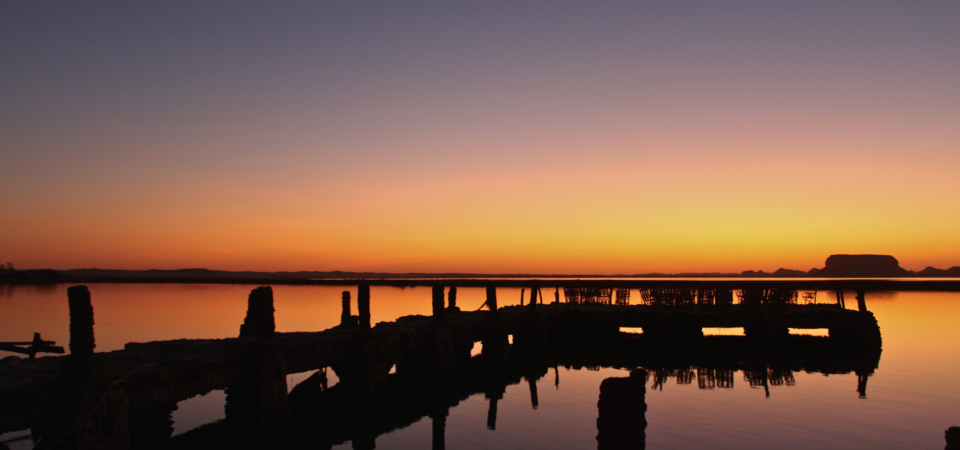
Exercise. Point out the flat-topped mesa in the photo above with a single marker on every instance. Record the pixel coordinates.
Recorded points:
(871, 266)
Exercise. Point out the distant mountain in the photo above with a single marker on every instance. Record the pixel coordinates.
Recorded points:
(788, 273)
(933, 272)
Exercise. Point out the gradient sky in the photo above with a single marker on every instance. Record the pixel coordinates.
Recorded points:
(494, 136)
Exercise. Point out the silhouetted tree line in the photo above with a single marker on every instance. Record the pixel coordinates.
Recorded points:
(10, 273)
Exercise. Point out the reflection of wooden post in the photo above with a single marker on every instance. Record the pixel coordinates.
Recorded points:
(439, 429)
(534, 398)
(622, 422)
(363, 305)
(862, 384)
(81, 321)
(492, 414)
(345, 319)
(953, 438)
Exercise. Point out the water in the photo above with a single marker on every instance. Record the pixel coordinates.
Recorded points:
(911, 398)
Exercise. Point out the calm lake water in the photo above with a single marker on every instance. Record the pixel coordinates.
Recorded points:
(911, 398)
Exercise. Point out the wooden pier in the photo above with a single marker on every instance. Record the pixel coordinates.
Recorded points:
(123, 399)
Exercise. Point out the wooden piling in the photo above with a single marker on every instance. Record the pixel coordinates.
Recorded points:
(81, 321)
(345, 316)
(259, 321)
(363, 306)
(452, 297)
(438, 301)
(492, 297)
(862, 300)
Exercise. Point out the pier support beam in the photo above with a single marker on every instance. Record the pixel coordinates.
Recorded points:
(862, 300)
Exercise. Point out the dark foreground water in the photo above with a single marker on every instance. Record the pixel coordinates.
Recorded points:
(911, 398)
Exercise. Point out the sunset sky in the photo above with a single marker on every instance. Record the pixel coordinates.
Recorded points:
(494, 136)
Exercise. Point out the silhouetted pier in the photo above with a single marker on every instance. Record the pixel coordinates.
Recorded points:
(116, 399)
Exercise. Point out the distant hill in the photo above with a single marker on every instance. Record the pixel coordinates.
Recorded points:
(932, 272)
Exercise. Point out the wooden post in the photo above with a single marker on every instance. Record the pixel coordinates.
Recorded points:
(345, 317)
(533, 297)
(438, 301)
(452, 297)
(862, 300)
(81, 321)
(363, 305)
(522, 293)
(492, 297)
(259, 322)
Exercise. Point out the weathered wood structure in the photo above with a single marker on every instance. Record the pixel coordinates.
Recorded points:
(113, 400)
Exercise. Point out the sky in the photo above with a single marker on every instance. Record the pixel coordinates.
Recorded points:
(547, 137)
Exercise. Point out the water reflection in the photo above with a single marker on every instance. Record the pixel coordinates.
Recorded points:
(325, 416)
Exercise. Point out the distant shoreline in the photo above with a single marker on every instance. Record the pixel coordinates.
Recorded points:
(544, 282)
(837, 268)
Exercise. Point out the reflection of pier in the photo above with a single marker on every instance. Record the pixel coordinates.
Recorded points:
(109, 400)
